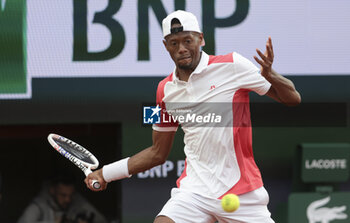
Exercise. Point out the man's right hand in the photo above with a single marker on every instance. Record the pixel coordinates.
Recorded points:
(96, 175)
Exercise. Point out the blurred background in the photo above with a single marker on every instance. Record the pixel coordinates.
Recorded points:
(85, 68)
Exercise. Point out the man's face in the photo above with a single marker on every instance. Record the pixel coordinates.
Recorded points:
(184, 48)
(63, 195)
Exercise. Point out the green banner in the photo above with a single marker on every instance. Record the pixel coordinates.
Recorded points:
(13, 78)
(325, 162)
(319, 208)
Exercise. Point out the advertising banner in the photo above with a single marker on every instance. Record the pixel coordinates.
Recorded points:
(100, 38)
(315, 207)
(325, 162)
(123, 38)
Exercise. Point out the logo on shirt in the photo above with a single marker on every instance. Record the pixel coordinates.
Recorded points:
(151, 114)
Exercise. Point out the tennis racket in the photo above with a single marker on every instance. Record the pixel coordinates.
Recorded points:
(77, 154)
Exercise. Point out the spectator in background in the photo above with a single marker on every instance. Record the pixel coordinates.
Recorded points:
(60, 203)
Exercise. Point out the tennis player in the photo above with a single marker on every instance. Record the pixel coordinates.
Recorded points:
(218, 160)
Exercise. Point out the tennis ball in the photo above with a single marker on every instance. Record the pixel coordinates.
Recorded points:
(230, 202)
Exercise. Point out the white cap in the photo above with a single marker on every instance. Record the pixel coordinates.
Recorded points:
(188, 21)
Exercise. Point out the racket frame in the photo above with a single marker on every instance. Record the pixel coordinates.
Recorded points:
(84, 166)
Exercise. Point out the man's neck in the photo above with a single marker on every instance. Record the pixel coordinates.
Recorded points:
(184, 74)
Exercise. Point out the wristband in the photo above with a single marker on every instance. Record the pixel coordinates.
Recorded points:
(116, 171)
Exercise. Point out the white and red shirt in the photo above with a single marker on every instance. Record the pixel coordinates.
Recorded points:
(219, 160)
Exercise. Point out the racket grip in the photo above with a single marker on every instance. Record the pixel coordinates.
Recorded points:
(95, 184)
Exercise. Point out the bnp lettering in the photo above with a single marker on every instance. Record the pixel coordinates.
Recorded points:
(144, 7)
(326, 164)
(163, 170)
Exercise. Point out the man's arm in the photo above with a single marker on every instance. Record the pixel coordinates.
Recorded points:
(144, 160)
(282, 89)
(153, 155)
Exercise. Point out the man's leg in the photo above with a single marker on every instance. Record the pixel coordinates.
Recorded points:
(185, 207)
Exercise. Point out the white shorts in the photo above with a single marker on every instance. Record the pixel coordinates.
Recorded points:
(186, 207)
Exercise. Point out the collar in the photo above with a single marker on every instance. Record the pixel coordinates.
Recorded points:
(203, 63)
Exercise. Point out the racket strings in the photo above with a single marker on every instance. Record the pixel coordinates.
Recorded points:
(75, 150)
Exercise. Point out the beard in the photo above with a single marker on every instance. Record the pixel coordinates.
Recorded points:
(187, 66)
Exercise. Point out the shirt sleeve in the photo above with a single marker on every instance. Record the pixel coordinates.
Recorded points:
(249, 75)
(169, 126)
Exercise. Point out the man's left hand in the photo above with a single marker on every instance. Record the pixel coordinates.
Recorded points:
(266, 59)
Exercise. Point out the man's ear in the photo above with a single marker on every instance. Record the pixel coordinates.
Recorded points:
(201, 38)
(165, 44)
